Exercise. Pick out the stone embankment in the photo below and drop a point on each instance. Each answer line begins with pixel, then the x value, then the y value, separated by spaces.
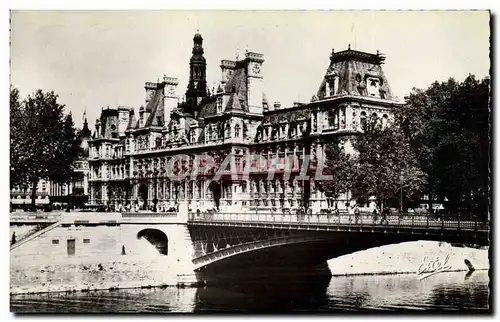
pixel 407 257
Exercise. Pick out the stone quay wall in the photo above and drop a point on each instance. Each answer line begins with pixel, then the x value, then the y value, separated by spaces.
pixel 407 257
pixel 44 264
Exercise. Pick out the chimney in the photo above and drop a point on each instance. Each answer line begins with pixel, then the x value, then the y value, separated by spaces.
pixel 97 127
pixel 277 105
pixel 150 88
pixel 227 67
pixel 171 99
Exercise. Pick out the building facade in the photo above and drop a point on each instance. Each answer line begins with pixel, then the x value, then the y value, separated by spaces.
pixel 130 155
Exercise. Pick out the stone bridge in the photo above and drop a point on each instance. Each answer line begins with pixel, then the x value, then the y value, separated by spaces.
pixel 222 242
pixel 283 239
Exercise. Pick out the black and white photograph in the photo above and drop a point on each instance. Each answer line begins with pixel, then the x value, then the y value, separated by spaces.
pixel 250 161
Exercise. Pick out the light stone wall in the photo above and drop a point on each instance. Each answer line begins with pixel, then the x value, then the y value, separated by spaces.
pixel 406 258
pixel 42 266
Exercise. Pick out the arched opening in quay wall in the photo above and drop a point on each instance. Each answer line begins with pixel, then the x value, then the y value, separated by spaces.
pixel 157 238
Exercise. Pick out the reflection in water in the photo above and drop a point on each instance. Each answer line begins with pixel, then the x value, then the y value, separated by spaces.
pixel 442 291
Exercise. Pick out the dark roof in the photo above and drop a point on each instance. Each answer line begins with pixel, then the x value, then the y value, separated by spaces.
pixel 238 84
pixel 207 107
pixel 234 103
pixel 155 109
pixel 352 76
pixel 357 55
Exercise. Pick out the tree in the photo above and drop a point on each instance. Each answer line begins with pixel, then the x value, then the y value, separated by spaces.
pixel 386 166
pixel 43 141
pixel 448 126
pixel 383 166
pixel 17 162
pixel 340 166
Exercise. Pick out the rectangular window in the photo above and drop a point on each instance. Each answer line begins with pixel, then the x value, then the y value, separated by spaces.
pixel 55 241
pixel 86 241
pixel 71 247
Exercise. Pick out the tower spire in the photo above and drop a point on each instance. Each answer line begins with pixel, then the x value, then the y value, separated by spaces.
pixel 197 87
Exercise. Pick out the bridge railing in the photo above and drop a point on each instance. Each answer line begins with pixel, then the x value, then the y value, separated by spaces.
pixel 403 221
pixel 148 214
pixel 35 217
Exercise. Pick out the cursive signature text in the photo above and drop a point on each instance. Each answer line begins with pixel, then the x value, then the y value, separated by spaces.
pixel 428 268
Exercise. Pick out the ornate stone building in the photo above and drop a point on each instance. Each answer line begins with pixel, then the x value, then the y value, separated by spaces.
pixel 129 153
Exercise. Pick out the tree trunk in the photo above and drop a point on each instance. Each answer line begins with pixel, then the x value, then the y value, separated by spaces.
pixel 33 195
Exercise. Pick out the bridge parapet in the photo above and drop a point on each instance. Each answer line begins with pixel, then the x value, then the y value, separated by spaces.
pixel 346 220
pixel 34 218
pixel 150 218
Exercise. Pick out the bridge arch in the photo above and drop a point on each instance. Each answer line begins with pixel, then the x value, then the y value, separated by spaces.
pixel 156 237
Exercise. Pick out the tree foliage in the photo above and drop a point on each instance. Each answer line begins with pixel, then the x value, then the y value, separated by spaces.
pixel 382 165
pixel 386 165
pixel 448 126
pixel 340 167
pixel 44 142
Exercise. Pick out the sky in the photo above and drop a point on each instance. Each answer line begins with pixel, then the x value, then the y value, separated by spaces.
pixel 95 59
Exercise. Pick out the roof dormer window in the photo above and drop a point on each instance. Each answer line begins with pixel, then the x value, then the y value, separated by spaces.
pixel 373 87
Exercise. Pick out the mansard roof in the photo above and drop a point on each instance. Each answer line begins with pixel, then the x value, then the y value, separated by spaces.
pixel 352 69
pixel 207 107
pixel 237 83
pixel 155 108
pixel 235 102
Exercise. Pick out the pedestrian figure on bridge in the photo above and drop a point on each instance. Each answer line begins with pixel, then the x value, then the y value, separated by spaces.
pixel 356 214
pixel 13 241
pixel 385 212
pixel 375 214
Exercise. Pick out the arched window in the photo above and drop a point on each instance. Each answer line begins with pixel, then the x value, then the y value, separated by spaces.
pixel 215 135
pixel 362 119
pixel 209 133
pixel 274 133
pixel 237 131
pixel 219 104
pixel 373 87
pixel 260 134
pixel 228 131
pixel 385 120
pixel 245 130
pixel 292 130
pixel 332 119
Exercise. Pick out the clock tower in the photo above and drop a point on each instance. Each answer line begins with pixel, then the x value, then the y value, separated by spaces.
pixel 197 87
pixel 255 83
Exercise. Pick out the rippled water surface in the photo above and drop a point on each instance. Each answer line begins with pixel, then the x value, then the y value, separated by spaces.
pixel 444 291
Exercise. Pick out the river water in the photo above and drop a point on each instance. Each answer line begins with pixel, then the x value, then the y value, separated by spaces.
pixel 443 291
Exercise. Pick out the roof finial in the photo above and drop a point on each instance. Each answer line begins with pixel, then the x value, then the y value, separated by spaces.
pixel 349 47
pixel 378 52
pixel 237 53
